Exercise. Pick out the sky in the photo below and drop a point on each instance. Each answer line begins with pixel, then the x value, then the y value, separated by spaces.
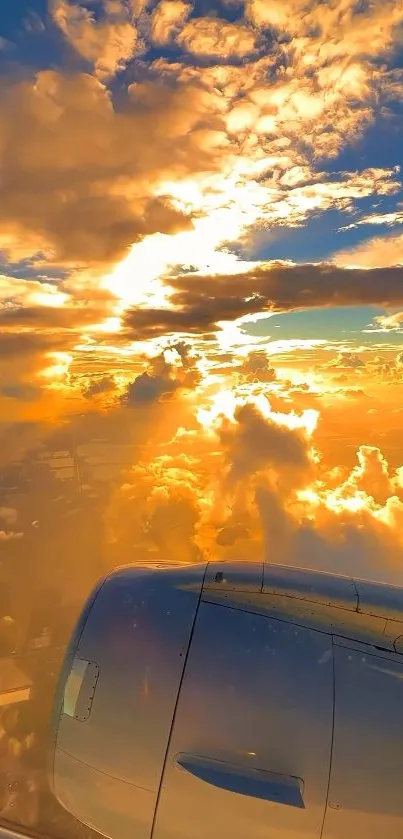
pixel 201 285
pixel 201 297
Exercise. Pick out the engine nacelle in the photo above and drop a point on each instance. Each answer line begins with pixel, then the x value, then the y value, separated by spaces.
pixel 233 699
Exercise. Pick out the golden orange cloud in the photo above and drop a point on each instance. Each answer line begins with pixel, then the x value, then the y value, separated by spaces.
pixel 379 252
pixel 108 44
pixel 138 415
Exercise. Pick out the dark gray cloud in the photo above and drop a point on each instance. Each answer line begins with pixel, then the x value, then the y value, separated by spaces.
pixel 147 388
pixel 13 345
pixel 50 317
pixel 23 391
pixel 100 384
pixel 254 443
pixel 162 378
pixel 202 301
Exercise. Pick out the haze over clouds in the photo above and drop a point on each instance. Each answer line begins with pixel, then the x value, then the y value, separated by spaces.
pixel 201 284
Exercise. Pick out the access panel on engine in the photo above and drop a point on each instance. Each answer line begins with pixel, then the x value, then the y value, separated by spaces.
pixel 250 749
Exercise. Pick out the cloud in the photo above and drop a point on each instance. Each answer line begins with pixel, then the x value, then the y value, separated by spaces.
pixel 380 252
pixel 65 317
pixel 264 482
pixel 167 19
pixel 351 529
pixel 387 323
pixel 25 392
pixel 256 368
pixel 255 442
pixel 354 393
pixel 107 43
pixel 199 303
pixel 346 359
pixel 332 83
pixel 370 476
pixel 185 146
pixel 215 38
pixel 29 344
pixel 379 367
pixel 390 219
pixel 146 388
pixel 8 536
pixel 347 543
pixel 162 379
pixel 8 515
pixel 88 185
pixel 99 385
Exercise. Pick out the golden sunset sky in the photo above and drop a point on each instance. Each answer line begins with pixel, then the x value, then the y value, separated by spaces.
pixel 201 284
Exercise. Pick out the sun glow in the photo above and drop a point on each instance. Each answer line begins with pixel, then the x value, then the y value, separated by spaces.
pixel 220 211
pixel 49 298
pixel 60 368
pixel 354 504
pixel 224 404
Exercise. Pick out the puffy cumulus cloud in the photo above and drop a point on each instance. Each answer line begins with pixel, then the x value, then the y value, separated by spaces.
pixel 224 474
pixel 380 252
pixel 166 374
pixel 333 80
pixel 195 498
pixel 349 26
pixel 354 528
pixel 388 323
pixel 158 505
pixel 390 368
pixel 347 360
pixel 215 38
pixel 358 543
pixel 253 115
pixel 108 42
pixel 148 388
pixel 86 186
pixel 256 368
pixel 253 484
pixel 255 442
pixel 374 368
pixel 363 362
pixel 167 19
pixel 370 478
pixel 99 385
pixel 276 15
pixel 199 303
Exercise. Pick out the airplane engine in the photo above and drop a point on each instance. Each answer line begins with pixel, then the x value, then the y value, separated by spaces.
pixel 239 700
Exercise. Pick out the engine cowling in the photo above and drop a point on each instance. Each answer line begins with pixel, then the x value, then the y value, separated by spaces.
pixel 239 699
pixel 117 694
